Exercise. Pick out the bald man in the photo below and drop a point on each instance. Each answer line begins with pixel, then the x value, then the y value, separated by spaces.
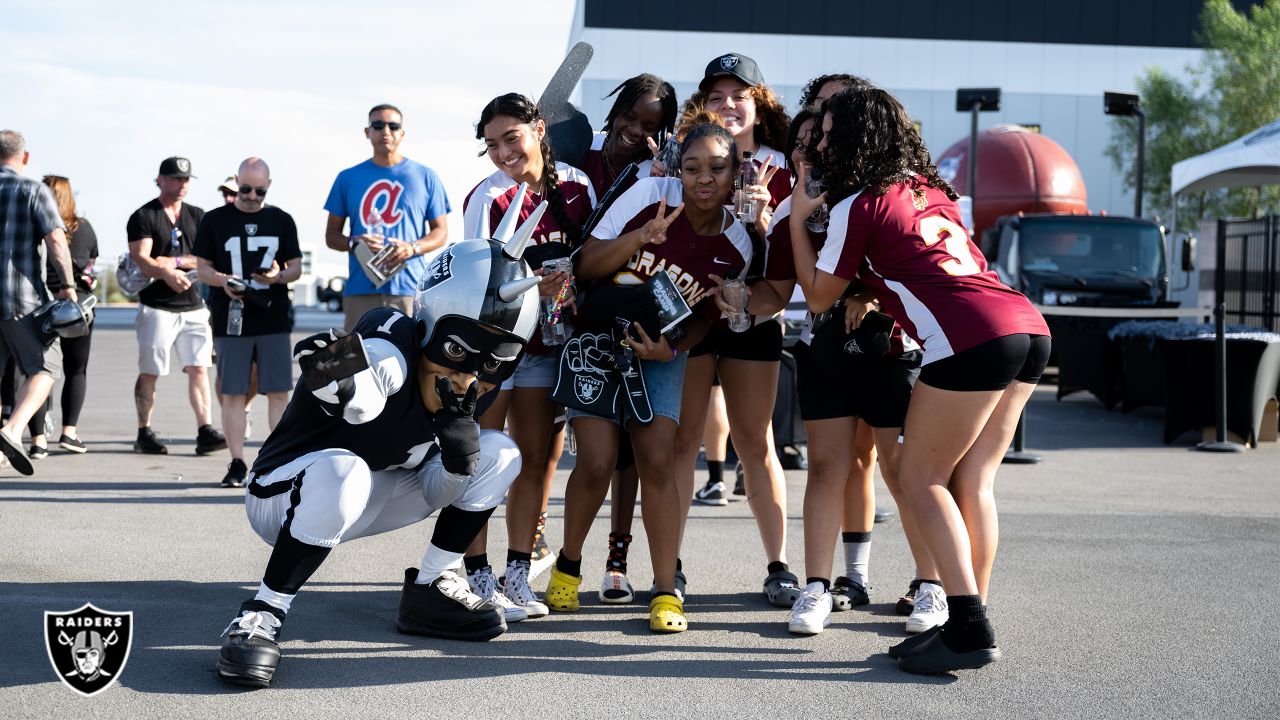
pixel 248 253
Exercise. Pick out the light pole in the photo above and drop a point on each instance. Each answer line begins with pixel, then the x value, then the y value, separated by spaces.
pixel 974 101
pixel 1128 105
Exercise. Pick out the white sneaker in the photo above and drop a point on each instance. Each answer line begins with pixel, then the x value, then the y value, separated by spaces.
pixel 812 610
pixel 248 428
pixel 615 588
pixel 518 591
pixel 930 609
pixel 484 584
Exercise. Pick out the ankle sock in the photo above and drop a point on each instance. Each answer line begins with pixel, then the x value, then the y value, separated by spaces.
pixel 857 555
pixel 777 566
pixel 516 556
pixel 715 468
pixel 967 627
pixel 475 562
pixel 567 566
pixel 826 583
pixel 617 558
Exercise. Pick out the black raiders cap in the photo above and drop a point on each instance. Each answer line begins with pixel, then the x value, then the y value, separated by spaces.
pixel 733 65
pixel 179 167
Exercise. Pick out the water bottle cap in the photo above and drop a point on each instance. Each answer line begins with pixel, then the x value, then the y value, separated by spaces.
pixel 747 154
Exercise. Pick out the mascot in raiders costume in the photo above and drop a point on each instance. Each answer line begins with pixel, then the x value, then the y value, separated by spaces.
pixel 381 433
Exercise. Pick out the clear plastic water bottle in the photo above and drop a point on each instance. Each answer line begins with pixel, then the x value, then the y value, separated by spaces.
pixel 669 156
pixel 813 187
pixel 235 317
pixel 734 292
pixel 374 226
pixel 746 207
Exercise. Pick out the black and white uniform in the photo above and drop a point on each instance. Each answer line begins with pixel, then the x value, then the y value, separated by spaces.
pixel 375 469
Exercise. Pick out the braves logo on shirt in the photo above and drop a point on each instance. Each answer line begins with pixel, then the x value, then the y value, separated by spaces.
pixel 382 200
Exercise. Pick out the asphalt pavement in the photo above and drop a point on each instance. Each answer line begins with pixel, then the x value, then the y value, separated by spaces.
pixel 1135 580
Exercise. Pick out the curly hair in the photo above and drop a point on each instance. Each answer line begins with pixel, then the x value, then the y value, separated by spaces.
pixel 630 92
pixel 772 128
pixel 809 95
pixel 873 144
pixel 522 109
pixel 807 113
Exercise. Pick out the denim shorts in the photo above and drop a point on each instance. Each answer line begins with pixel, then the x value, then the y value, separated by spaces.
pixel 537 371
pixel 664 382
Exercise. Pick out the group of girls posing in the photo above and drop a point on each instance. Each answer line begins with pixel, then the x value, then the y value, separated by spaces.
pixel 882 234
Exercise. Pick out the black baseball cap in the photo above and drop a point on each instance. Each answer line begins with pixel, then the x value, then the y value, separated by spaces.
pixel 178 167
pixel 733 65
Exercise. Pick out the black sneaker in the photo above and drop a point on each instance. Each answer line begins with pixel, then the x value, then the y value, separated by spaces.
pixel 847 594
pixel 907 603
pixel 446 608
pixel 208 440
pixel 710 494
pixel 71 444
pixel 38 452
pixel 932 657
pixel 740 481
pixel 14 453
pixel 251 652
pixel 148 444
pixel 236 472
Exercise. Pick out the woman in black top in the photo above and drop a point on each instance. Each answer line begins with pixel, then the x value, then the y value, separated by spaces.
pixel 75 351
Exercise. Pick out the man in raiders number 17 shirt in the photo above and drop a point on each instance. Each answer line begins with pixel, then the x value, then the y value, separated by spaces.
pixel 248 252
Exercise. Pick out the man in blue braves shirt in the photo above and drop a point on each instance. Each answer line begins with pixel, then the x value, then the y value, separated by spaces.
pixel 406 198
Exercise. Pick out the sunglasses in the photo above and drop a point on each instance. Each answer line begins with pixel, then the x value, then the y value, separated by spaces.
pixel 246 189
pixel 380 124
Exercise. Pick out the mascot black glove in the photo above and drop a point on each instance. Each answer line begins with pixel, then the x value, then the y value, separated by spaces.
pixel 456 430
pixel 333 393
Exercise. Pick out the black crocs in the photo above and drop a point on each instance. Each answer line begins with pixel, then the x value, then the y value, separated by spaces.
pixel 932 657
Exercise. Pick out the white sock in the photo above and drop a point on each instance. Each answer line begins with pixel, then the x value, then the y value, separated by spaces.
pixel 857 556
pixel 276 600
pixel 434 562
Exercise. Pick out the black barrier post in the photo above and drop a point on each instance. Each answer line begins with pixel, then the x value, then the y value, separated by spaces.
pixel 1220 443
pixel 1019 455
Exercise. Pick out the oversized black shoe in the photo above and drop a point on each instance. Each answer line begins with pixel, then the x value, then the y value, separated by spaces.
pixel 446 608
pixel 251 651
pixel 209 439
pixel 911 643
pixel 933 657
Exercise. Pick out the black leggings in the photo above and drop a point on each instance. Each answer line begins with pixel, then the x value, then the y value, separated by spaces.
pixel 75 382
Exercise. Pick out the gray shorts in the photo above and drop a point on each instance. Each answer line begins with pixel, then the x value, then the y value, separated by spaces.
pixel 273 355
pixel 20 340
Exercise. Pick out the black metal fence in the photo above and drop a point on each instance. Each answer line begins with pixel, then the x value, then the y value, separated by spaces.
pixel 1248 272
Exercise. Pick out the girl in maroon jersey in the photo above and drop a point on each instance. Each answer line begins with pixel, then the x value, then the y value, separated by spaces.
pixel 516 142
pixel 680 227
pixel 895 225
pixel 747 363
pixel 643 112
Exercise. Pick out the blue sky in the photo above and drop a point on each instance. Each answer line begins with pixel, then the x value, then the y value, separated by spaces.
pixel 103 91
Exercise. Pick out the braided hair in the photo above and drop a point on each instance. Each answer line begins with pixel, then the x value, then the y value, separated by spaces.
pixel 873 144
pixel 522 109
pixel 809 95
pixel 630 92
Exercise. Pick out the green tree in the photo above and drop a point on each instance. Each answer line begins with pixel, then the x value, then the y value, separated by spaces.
pixel 1234 90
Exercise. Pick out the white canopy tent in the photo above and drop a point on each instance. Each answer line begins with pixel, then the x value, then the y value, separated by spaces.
pixel 1246 162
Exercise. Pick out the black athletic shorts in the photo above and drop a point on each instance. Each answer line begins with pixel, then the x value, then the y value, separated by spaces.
pixel 878 392
pixel 761 342
pixel 992 365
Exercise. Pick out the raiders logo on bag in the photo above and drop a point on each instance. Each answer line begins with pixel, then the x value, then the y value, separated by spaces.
pixel 586 378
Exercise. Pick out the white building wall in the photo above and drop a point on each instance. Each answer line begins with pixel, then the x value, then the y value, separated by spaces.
pixel 1057 86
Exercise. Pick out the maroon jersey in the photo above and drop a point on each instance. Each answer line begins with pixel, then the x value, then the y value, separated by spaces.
pixel 689 258
pixel 488 202
pixel 910 247
pixel 601 174
pixel 779 265
pixel 489 199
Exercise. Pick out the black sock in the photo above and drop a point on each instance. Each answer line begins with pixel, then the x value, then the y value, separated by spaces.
pixel 826 583
pixel 716 469
pixel 567 566
pixel 456 528
pixel 617 559
pixel 967 627
pixel 475 562
pixel 931 582
pixel 658 593
pixel 679 566
pixel 777 566
pixel 292 563
pixel 855 537
pixel 514 555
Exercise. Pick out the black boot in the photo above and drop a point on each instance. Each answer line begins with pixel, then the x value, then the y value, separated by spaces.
pixel 251 651
pixel 446 608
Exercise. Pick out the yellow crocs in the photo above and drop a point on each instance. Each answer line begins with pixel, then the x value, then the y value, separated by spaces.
pixel 666 614
pixel 562 591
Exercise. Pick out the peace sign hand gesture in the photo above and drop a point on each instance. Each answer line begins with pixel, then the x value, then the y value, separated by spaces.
pixel 655 231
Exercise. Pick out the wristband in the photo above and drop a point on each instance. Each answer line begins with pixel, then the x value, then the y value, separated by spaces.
pixel 674 353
